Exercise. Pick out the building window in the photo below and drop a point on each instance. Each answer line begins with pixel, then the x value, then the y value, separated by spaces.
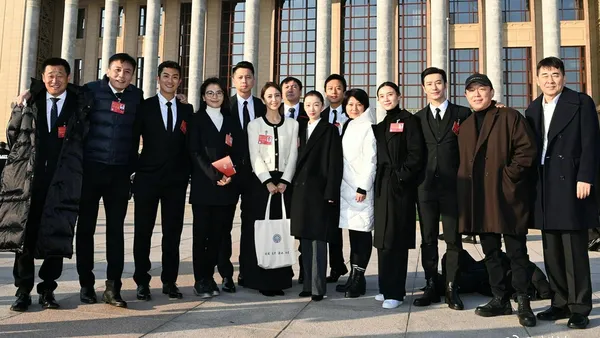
pixel 296 36
pixel 142 26
pixel 515 11
pixel 185 25
pixel 517 77
pixel 99 72
pixel 101 33
pixel 464 11
pixel 80 23
pixel 78 72
pixel 463 63
pixel 574 59
pixel 139 73
pixel 570 9
pixel 412 54
pixel 102 17
pixel 232 39
pixel 359 57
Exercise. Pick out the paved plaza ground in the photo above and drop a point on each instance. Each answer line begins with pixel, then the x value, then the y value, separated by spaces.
pixel 249 314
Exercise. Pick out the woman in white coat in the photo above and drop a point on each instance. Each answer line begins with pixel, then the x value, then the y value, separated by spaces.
pixel 356 202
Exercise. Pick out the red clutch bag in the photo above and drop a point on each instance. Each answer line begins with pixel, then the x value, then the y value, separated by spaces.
pixel 225 166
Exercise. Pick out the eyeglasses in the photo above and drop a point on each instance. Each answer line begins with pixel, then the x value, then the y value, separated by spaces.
pixel 218 93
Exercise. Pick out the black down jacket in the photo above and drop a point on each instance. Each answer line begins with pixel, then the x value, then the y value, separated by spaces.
pixel 56 228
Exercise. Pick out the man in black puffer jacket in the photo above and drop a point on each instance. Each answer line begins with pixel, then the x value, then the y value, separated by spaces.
pixel 41 182
pixel 108 160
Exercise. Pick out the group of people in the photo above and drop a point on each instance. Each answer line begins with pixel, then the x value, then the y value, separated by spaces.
pixel 486 170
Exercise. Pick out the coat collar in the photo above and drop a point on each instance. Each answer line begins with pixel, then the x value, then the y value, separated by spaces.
pixel 567 106
pixel 488 123
pixel 305 145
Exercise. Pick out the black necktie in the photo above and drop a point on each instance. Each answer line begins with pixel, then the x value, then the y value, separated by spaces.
pixel 54 112
pixel 292 111
pixel 119 96
pixel 334 116
pixel 246 114
pixel 438 117
pixel 169 118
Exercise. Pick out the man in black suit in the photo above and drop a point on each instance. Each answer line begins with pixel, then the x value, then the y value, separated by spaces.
pixel 291 88
pixel 244 108
pixel 567 135
pixel 440 121
pixel 162 174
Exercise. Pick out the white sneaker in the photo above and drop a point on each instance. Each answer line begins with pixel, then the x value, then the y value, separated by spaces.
pixel 379 297
pixel 391 303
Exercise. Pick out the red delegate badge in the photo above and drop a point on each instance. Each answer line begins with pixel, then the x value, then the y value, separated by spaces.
pixel 62 130
pixel 183 127
pixel 265 139
pixel 456 127
pixel 397 127
pixel 117 107
pixel 229 140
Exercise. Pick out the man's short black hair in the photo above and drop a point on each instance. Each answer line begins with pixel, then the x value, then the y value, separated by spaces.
pixel 551 62
pixel 169 64
pixel 289 79
pixel 123 57
pixel 245 65
pixel 433 70
pixel 336 77
pixel 56 62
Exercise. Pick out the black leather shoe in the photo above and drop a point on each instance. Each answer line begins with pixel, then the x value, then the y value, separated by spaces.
pixel 172 290
pixel 228 285
pixel 495 307
pixel 203 289
pixel 553 313
pixel 578 321
pixel 268 293
pixel 143 292
pixel 304 294
pixel 430 295
pixel 317 298
pixel 278 293
pixel 334 275
pixel 112 295
pixel 48 301
pixel 22 303
pixel 88 295
pixel 524 312
pixel 452 298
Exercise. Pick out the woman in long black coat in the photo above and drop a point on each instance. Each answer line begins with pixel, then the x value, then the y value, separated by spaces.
pixel 400 160
pixel 316 193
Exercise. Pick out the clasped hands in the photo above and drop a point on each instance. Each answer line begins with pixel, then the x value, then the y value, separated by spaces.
pixel 274 189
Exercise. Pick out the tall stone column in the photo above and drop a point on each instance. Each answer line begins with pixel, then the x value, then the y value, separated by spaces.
pixel 69 33
pixel 30 42
pixel 551 28
pixel 111 26
pixel 323 61
pixel 493 46
pixel 385 46
pixel 251 24
pixel 151 47
pixel 439 34
pixel 198 30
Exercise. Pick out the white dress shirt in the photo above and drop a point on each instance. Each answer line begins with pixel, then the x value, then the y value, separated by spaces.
pixel 341 116
pixel 164 109
pixel 443 107
pixel 286 110
pixel 216 116
pixel 240 102
pixel 113 88
pixel 59 104
pixel 311 127
pixel 548 109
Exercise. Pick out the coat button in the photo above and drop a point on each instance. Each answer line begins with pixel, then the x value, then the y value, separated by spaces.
pixel 469 175
pixel 485 158
pixel 562 178
pixel 486 174
pixel 276 154
pixel 561 157
pixel 437 175
pixel 471 161
pixel 559 135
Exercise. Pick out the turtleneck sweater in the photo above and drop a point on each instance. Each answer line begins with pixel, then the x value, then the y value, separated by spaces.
pixel 216 116
pixel 480 116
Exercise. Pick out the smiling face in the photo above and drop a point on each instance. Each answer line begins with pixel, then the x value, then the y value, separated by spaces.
pixel 272 98
pixel 434 87
pixel 551 80
pixel 354 108
pixel 388 97
pixel 334 90
pixel 313 107
pixel 55 79
pixel 243 81
pixel 168 81
pixel 291 90
pixel 213 96
pixel 120 74
pixel 479 96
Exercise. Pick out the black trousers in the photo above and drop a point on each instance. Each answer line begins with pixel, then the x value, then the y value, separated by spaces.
pixel 516 250
pixel 315 266
pixel 171 194
pixel 24 267
pixel 430 208
pixel 336 251
pixel 211 225
pixel 568 267
pixel 111 183
pixel 361 246
pixel 392 269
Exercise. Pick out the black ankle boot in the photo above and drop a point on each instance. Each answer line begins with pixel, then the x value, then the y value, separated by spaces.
pixel 498 306
pixel 344 287
pixel 452 298
pixel 524 312
pixel 112 295
pixel 358 283
pixel 430 294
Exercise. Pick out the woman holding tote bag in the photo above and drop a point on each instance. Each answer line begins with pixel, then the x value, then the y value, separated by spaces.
pixel 316 193
pixel 356 203
pixel 273 145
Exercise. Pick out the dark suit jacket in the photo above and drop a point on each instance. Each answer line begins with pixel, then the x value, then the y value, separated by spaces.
pixel 572 156
pixel 301 114
pixel 164 155
pixel 244 167
pixel 442 149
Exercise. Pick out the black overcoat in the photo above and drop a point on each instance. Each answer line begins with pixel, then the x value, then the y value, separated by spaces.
pixel 400 160
pixel 317 180
pixel 571 156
